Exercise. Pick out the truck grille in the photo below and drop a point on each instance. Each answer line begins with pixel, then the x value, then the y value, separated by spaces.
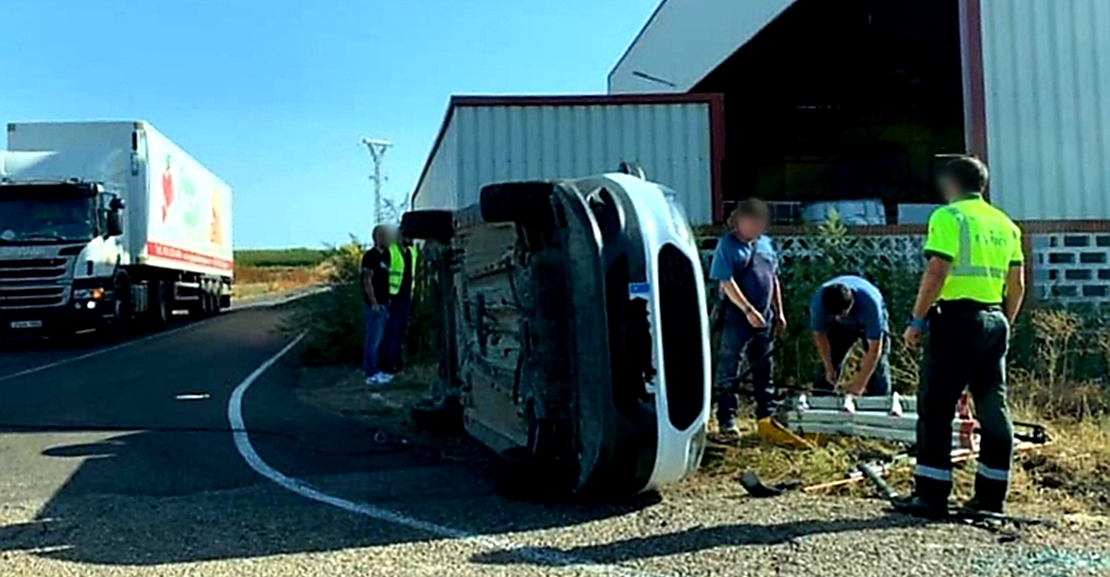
pixel 32 269
pixel 680 323
pixel 30 283
pixel 25 297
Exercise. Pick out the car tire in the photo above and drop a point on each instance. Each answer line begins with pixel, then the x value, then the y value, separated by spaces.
pixel 519 476
pixel 428 225
pixel 516 202
pixel 439 419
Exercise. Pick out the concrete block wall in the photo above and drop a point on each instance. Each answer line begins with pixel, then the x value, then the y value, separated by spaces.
pixel 1072 267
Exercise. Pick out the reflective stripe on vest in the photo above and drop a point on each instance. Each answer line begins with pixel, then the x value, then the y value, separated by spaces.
pixel 962 265
pixel 986 243
pixel 397 268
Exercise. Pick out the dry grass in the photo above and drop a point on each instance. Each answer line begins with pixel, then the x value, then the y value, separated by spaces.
pixel 259 281
pixel 1069 476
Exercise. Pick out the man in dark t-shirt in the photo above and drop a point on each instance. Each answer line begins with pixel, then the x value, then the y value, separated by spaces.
pixel 745 266
pixel 375 297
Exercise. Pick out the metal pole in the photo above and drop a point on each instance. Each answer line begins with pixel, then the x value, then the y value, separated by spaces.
pixel 377 154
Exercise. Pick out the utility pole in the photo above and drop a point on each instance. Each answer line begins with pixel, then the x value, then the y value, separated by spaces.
pixel 377 153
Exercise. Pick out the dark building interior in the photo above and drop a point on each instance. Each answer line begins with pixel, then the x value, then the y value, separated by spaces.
pixel 843 100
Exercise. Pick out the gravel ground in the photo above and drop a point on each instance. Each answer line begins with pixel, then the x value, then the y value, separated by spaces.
pixel 214 534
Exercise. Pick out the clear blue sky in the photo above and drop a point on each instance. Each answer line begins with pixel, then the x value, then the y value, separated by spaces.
pixel 274 96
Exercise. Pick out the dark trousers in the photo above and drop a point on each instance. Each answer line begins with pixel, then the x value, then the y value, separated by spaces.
pixel 840 342
pixel 738 336
pixel 966 348
pixel 393 340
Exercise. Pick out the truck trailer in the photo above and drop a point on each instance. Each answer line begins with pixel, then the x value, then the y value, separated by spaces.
pixel 106 223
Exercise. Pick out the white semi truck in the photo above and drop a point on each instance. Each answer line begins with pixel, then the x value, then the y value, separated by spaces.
pixel 106 223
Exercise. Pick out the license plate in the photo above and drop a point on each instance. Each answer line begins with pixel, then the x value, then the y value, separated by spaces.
pixel 26 324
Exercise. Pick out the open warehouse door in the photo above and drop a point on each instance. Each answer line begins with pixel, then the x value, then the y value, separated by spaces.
pixel 841 100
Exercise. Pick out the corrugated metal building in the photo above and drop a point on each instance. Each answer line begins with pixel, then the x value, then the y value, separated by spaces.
pixel 853 99
pixel 485 140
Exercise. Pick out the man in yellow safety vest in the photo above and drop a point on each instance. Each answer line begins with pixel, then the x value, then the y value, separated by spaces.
pixel 970 294
pixel 402 270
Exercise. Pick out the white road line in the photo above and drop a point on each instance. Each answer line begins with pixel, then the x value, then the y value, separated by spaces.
pixel 302 488
pixel 98 352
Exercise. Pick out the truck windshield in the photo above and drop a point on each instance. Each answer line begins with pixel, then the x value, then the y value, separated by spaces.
pixel 46 213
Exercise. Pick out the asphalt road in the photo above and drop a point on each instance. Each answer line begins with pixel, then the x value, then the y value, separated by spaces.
pixel 121 461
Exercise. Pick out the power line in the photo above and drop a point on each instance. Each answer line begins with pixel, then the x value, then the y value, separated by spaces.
pixel 377 150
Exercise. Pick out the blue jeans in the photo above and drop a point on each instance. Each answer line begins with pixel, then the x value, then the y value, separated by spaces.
pixel 737 337
pixel 375 327
pixel 394 339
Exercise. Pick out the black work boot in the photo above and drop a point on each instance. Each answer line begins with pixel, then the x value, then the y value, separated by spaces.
pixel 992 506
pixel 918 507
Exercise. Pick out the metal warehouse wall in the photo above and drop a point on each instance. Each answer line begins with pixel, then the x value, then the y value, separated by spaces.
pixel 437 188
pixel 1047 72
pixel 498 143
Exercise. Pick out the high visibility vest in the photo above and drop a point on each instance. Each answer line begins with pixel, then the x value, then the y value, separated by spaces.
pixel 981 242
pixel 397 267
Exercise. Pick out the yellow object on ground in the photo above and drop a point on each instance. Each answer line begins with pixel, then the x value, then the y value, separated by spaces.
pixel 775 433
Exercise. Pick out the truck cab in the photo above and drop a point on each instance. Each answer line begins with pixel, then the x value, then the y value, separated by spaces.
pixel 61 255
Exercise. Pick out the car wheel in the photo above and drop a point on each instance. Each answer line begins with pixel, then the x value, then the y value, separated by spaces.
pixel 428 225
pixel 519 476
pixel 439 419
pixel 516 202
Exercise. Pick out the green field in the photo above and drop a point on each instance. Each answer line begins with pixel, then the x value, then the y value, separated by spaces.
pixel 290 257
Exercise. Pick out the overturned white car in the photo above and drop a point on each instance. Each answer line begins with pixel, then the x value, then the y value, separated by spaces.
pixel 574 334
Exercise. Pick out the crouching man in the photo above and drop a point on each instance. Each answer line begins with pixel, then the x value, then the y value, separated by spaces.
pixel 844 311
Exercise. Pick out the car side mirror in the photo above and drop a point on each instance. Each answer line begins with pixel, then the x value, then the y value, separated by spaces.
pixel 116 204
pixel 115 223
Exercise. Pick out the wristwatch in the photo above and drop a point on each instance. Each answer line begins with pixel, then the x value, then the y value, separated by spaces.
pixel 919 324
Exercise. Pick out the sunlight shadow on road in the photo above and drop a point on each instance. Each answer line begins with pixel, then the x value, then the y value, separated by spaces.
pixel 697 539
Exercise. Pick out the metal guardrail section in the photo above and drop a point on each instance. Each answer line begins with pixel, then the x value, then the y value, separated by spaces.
pixel 30 283
pixel 892 418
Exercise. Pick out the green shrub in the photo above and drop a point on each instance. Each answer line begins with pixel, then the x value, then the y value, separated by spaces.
pixel 832 251
pixel 334 319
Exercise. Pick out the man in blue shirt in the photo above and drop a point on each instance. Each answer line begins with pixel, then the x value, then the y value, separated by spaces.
pixel 745 267
pixel 844 311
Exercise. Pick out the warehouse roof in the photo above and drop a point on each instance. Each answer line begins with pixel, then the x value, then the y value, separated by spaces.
pixel 709 31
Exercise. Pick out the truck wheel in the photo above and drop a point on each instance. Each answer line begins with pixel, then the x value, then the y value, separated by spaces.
pixel 206 308
pixel 120 323
pixel 429 224
pixel 160 308
pixel 516 202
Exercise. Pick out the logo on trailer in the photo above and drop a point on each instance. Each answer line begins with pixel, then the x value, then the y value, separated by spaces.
pixel 167 188
pixel 216 230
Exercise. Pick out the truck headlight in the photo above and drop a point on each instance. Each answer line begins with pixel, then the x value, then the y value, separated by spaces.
pixel 93 294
